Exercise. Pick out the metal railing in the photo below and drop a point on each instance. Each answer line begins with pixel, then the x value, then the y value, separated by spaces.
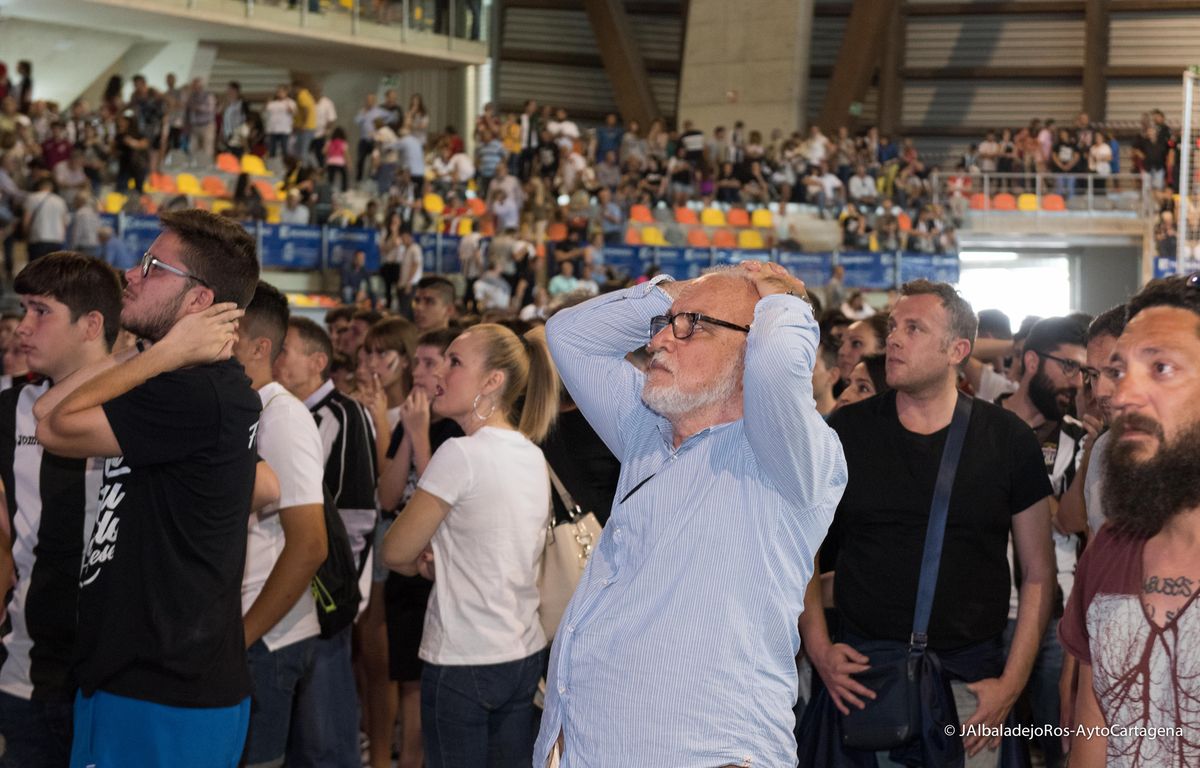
pixel 453 25
pixel 1055 194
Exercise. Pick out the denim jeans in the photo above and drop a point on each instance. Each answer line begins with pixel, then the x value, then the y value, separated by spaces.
pixel 324 730
pixel 35 732
pixel 477 716
pixel 1042 689
pixel 277 676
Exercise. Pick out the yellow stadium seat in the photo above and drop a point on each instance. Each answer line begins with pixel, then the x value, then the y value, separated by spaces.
pixel 220 206
pixel 653 236
pixel 434 204
pixel 712 217
pixel 750 239
pixel 189 185
pixel 253 165
pixel 273 213
pixel 762 218
pixel 465 226
pixel 1027 202
pixel 114 202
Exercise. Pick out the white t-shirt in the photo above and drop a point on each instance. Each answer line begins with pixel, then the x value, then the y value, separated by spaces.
pixel 993 384
pixel 290 444
pixel 414 258
pixel 326 115
pixel 48 222
pixel 484 606
pixel 279 115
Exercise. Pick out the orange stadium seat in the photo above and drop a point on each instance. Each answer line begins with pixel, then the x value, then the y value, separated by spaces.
pixel 977 202
pixel 1004 202
pixel 739 217
pixel 148 205
pixel 212 185
pixel 267 190
pixel 697 238
pixel 476 206
pixel 633 236
pixel 556 232
pixel 641 214
pixel 227 163
pixel 161 182
pixel 724 238
pixel 686 216
pixel 905 222
pixel 1053 202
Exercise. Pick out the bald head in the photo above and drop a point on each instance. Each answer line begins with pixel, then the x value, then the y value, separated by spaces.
pixel 728 294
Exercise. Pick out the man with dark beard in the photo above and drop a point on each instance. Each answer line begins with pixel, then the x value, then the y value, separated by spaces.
pixel 1051 365
pixel 161 659
pixel 1130 621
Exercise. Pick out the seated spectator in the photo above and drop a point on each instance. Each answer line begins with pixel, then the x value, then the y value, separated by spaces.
pixel 609 217
pixel 504 208
pixel 293 211
pixel 114 251
pixel 855 232
pixel 356 280
pixel 491 290
pixel 451 170
pixel 729 186
pixel 755 188
pixel 586 283
pixel 855 307
pixel 71 176
pixel 608 172
pixel 861 188
pixel 565 281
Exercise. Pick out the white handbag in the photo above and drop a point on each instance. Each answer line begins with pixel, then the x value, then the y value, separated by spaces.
pixel 569 544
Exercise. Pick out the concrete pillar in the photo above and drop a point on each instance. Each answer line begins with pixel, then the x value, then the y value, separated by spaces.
pixel 746 61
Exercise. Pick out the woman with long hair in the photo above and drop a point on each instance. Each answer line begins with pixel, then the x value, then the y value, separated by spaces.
pixel 384 378
pixel 481 507
pixel 417 118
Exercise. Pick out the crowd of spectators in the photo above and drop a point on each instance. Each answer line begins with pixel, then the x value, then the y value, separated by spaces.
pixel 537 174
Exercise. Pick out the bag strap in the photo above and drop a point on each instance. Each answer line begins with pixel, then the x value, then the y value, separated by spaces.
pixel 934 534
pixel 573 510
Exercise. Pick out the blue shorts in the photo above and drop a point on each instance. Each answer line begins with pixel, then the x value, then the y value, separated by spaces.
pixel 117 732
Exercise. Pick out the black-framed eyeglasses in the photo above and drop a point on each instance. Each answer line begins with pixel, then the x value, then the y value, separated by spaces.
pixel 150 261
pixel 1069 367
pixel 683 324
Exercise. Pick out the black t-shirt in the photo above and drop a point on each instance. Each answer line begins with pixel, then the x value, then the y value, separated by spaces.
pixel 439 432
pixel 879 528
pixel 160 612
pixel 583 463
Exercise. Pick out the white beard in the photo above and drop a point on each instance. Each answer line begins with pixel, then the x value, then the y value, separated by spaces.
pixel 669 402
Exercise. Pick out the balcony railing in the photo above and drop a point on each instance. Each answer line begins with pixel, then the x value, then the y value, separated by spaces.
pixel 443 25
pixel 1043 194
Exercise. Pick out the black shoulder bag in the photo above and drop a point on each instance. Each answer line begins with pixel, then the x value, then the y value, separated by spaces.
pixel 894 717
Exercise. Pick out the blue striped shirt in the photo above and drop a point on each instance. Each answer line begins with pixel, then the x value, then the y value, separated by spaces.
pixel 678 648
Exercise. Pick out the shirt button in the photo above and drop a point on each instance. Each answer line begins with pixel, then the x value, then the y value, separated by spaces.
pixel 604 582
pixel 562 688
pixel 571 628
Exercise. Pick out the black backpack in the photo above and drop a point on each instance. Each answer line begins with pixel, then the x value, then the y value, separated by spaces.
pixel 335 585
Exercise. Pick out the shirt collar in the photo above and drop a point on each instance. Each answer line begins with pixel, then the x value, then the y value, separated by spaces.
pixel 668 434
pixel 321 393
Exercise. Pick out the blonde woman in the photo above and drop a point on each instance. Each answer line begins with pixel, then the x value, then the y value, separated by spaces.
pixel 481 507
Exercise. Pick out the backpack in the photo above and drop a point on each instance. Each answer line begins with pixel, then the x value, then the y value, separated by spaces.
pixel 335 585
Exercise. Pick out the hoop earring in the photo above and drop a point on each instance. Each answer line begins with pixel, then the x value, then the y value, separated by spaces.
pixel 475 408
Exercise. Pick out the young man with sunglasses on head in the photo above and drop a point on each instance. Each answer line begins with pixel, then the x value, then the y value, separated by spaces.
pixel 160 646
pixel 72 309
pixel 1131 621
pixel 684 622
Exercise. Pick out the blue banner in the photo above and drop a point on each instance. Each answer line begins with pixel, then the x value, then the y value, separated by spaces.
pixel 1164 267
pixel 139 233
pixel 290 246
pixel 815 269
pixel 938 268
pixel 873 271
pixel 344 241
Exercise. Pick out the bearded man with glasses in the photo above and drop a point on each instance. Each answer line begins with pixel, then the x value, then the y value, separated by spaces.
pixel 162 661
pixel 679 645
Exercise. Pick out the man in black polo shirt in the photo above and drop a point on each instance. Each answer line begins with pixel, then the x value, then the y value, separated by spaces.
pixel 161 655
pixel 893 445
